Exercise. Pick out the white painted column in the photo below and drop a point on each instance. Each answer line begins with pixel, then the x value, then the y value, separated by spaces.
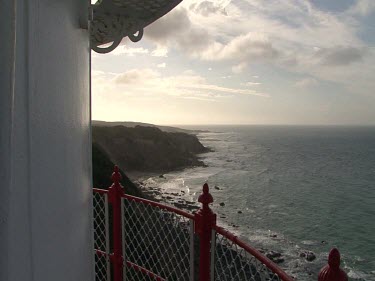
pixel 45 146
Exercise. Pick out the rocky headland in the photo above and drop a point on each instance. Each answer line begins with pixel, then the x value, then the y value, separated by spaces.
pixel 148 149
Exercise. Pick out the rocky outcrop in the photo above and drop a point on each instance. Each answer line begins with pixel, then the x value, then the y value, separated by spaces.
pixel 102 168
pixel 148 149
pixel 308 255
pixel 274 256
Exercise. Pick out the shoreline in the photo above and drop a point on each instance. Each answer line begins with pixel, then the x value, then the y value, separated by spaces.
pixel 151 185
pixel 148 185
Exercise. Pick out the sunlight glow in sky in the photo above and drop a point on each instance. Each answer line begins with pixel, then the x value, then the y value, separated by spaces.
pixel 244 62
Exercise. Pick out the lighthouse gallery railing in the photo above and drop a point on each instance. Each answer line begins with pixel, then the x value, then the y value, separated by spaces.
pixel 138 239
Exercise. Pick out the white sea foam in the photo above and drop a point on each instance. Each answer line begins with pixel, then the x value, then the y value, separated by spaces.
pixel 309 242
pixel 358 275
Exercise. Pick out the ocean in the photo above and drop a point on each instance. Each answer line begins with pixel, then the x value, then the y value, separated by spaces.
pixel 291 189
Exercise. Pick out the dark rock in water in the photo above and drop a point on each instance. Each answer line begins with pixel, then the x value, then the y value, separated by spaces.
pixel 273 254
pixel 223 217
pixel 273 235
pixel 278 260
pixel 239 212
pixel 324 242
pixel 216 187
pixel 185 206
pixel 262 250
pixel 308 255
pixel 235 225
pixel 169 197
pixel 162 176
pixel 222 204
pixel 275 257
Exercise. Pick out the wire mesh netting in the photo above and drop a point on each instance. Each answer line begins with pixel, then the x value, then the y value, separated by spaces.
pixel 157 240
pixel 101 241
pixel 135 274
pixel 233 263
pixel 159 244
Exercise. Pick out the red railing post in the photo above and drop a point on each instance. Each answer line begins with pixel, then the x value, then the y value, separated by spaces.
pixel 332 271
pixel 205 221
pixel 114 197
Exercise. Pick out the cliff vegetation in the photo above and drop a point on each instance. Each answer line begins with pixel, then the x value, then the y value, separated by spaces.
pixel 148 149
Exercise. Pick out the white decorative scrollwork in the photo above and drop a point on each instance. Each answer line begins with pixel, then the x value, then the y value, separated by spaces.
pixel 112 23
pixel 116 19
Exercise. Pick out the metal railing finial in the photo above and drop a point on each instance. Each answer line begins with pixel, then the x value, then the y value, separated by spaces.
pixel 116 175
pixel 205 198
pixel 205 221
pixel 332 271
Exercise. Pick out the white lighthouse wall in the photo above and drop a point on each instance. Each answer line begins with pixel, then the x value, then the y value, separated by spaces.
pixel 45 163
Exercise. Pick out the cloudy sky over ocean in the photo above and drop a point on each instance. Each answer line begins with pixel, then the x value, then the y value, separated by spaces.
pixel 245 62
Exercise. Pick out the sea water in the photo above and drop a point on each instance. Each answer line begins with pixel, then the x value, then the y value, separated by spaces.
pixel 297 188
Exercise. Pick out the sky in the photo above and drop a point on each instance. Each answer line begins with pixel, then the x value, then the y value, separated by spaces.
pixel 304 62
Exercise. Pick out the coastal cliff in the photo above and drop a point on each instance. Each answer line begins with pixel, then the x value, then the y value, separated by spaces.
pixel 148 149
pixel 102 167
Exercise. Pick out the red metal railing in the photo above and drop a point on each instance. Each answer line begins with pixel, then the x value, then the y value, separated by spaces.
pixel 138 239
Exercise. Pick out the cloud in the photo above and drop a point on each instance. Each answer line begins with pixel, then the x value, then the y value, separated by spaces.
pixel 135 76
pixel 250 84
pixel 150 82
pixel 97 73
pixel 239 68
pixel 340 56
pixel 225 89
pixel 176 29
pixel 162 65
pixel 306 83
pixel 250 47
pixel 125 50
pixel 160 52
pixel 362 8
pixel 206 8
pixel 168 26
pixel 293 35
pixel 284 33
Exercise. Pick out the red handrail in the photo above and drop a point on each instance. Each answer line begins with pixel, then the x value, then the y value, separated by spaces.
pixel 100 191
pixel 254 252
pixel 134 266
pixel 159 205
pixel 145 271
pixel 204 222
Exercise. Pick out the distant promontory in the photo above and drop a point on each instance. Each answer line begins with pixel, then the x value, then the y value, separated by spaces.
pixel 147 148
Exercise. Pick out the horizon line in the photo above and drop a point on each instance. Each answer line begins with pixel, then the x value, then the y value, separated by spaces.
pixel 243 124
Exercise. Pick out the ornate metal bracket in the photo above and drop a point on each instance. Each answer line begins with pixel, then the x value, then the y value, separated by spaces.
pixel 115 19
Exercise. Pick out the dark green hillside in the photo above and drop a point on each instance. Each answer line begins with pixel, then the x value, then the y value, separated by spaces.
pixel 148 149
pixel 102 170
